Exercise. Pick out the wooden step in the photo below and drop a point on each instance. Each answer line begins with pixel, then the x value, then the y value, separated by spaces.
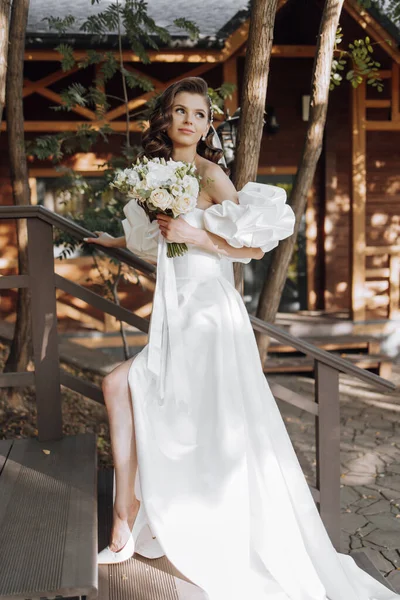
pixel 331 343
pixel 304 364
pixel 158 579
pixel 48 518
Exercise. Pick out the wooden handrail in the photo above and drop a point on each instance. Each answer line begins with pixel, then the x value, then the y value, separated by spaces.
pixel 42 281
pixel 77 231
pixel 322 356
pixel 103 304
pixel 374 250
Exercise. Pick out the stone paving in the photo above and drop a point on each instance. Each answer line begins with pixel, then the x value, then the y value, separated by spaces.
pixel 370 459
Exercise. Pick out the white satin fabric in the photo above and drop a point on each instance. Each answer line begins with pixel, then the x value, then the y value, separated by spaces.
pixel 222 487
pixel 260 220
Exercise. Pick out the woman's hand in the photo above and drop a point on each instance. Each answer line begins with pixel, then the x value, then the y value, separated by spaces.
pixel 104 239
pixel 175 230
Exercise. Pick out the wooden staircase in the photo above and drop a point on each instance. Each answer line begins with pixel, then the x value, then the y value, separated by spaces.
pixel 138 578
pixel 48 487
pixel 364 351
pixel 48 518
pixel 54 519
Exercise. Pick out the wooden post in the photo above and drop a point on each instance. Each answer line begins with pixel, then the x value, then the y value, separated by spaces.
pixel 394 286
pixel 328 448
pixel 358 203
pixel 44 330
pixel 311 251
pixel 230 76
pixel 395 92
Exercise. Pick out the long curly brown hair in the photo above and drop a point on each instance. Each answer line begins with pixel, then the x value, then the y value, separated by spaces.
pixel 156 142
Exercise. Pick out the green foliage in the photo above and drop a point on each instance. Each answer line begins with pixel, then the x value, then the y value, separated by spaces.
pixel 108 67
pixel 134 81
pixel 92 58
pixel 188 26
pixel 128 19
pixel 67 56
pixel 60 25
pixel 219 95
pixel 389 8
pixel 101 208
pixel 46 146
pixel 98 97
pixel 363 66
pixel 74 95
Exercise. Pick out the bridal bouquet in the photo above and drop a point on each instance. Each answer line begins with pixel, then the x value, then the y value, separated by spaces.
pixel 160 186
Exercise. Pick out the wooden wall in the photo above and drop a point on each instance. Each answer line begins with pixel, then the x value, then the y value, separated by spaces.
pixel 328 217
pixel 382 154
pixel 382 212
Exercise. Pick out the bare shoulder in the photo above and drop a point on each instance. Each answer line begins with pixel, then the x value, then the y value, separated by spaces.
pixel 216 183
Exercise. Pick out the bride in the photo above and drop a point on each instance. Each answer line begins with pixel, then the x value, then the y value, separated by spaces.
pixel 201 453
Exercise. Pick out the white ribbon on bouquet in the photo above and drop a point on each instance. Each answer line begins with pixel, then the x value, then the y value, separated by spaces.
pixel 166 332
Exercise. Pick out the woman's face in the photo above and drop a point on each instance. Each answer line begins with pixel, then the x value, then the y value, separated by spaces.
pixel 189 119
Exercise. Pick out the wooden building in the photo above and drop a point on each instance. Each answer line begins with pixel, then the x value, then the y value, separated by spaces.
pixel 348 261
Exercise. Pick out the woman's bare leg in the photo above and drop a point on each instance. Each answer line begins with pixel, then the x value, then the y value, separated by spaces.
pixel 123 445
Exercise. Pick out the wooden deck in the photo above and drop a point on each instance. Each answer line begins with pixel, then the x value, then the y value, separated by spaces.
pixel 143 579
pixel 138 578
pixel 48 518
pixel 378 363
pixel 48 531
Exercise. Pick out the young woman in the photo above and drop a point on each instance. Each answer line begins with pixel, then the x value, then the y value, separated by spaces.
pixel 217 481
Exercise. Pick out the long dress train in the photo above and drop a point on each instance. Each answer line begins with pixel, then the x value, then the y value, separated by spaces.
pixel 221 484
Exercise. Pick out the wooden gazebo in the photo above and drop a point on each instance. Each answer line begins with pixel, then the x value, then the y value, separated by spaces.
pixel 352 226
pixel 52 497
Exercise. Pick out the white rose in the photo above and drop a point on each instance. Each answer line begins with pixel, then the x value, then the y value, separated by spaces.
pixel 161 198
pixel 176 189
pixel 191 185
pixel 158 175
pixel 175 164
pixel 120 178
pixel 132 178
pixel 183 204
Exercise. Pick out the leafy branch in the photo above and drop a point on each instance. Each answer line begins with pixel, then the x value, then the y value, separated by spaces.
pixel 389 8
pixel 128 20
pixel 363 66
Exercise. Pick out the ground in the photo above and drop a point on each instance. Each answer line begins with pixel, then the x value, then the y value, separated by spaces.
pixel 80 415
pixel 370 454
pixel 370 458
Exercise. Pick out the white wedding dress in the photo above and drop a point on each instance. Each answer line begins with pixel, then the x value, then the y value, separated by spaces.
pixel 219 479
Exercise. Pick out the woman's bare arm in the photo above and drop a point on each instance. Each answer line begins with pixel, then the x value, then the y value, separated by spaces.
pixel 107 240
pixel 214 243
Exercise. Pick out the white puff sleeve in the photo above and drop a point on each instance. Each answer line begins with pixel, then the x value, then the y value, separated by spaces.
pixel 141 235
pixel 260 220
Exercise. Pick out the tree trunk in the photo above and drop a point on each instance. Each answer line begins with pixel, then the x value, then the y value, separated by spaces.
pixel 20 350
pixel 4 25
pixel 256 70
pixel 276 277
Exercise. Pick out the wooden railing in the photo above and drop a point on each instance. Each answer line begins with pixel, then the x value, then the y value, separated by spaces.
pixel 391 273
pixel 48 375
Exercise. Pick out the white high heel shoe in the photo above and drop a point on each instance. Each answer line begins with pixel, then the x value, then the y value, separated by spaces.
pixel 107 556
